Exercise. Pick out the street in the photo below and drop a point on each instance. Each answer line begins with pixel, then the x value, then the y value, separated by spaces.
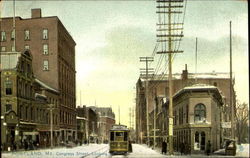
pixel 102 150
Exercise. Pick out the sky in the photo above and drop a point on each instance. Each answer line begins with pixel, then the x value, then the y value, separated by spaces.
pixel 111 36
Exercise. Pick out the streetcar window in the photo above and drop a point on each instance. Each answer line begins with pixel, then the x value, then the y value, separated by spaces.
pixel 125 136
pixel 112 136
pixel 119 134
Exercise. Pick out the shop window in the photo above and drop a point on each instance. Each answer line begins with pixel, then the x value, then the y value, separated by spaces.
pixel 200 113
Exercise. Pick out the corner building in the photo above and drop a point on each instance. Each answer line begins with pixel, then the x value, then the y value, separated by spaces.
pixel 53 51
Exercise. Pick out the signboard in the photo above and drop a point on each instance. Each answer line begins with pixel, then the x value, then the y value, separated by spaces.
pixel 226 124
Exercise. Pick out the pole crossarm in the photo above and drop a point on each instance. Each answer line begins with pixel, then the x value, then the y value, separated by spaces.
pixel 170 24
pixel 170 35
pixel 164 12
pixel 175 6
pixel 179 29
pixel 167 1
pixel 164 52
pixel 172 40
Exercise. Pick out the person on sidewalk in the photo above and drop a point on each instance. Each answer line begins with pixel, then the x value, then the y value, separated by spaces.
pixel 208 148
pixel 164 147
pixel 182 147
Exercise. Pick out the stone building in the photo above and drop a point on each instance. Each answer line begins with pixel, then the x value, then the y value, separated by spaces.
pixel 53 51
pixel 158 87
pixel 23 108
pixel 197 118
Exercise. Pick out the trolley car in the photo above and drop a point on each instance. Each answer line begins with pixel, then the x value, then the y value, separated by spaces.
pixel 119 139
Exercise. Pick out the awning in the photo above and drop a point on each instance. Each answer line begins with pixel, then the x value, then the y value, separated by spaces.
pixel 30 133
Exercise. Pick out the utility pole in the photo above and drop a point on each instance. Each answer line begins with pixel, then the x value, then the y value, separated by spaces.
pixel 14 25
pixel 166 37
pixel 147 71
pixel 196 45
pixel 231 88
pixel 154 120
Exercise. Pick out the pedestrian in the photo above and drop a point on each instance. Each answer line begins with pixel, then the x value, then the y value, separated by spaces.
pixel 208 148
pixel 14 146
pixel 130 146
pixel 182 147
pixel 164 147
pixel 25 144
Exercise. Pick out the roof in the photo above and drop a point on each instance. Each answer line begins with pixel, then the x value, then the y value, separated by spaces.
pixel 46 86
pixel 197 88
pixel 178 76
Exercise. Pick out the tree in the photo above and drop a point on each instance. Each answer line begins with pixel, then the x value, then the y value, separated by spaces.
pixel 242 122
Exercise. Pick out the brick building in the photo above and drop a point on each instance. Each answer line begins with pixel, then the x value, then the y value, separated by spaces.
pixel 53 51
pixel 158 87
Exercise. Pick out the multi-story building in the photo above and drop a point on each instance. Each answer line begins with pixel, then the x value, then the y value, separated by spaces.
pixel 158 87
pixel 105 122
pixel 197 118
pixel 24 110
pixel 82 124
pixel 53 51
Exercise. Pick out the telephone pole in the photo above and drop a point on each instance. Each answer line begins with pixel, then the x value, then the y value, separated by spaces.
pixel 169 32
pixel 231 87
pixel 147 71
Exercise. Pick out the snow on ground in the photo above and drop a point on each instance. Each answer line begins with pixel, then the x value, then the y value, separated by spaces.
pixel 75 152
pixel 242 150
pixel 143 151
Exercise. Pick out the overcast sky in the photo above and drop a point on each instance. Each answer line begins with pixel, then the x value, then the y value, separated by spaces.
pixel 112 35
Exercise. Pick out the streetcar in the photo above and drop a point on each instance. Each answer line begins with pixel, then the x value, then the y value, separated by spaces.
pixel 119 140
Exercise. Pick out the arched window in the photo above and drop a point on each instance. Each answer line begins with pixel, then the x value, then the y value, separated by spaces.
pixel 200 113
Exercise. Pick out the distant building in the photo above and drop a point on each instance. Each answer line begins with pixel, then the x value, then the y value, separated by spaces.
pixel 53 51
pixel 158 87
pixel 82 124
pixel 105 122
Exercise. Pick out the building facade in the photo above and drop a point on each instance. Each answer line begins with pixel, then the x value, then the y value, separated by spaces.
pixel 158 87
pixel 25 116
pixel 53 51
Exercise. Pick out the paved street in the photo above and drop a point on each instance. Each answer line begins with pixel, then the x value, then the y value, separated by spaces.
pixel 102 150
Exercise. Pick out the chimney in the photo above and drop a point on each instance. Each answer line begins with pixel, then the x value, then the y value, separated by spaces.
pixel 184 74
pixel 36 13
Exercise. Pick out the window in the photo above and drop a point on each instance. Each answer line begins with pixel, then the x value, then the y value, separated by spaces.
pixel 45 49
pixel 26 34
pixel 45 33
pixel 45 65
pixel 8 87
pixel 180 116
pixel 26 47
pixel 3 36
pixel 215 84
pixel 13 49
pixel 12 35
pixel 3 49
pixel 8 107
pixel 200 113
